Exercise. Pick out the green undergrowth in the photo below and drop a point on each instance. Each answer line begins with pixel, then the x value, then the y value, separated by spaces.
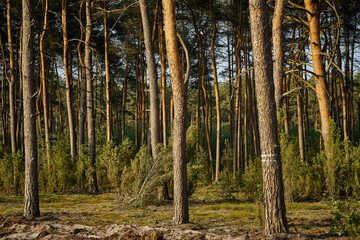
pixel 207 211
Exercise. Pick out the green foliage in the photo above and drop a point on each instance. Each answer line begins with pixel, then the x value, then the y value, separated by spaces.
pixel 12 168
pixel 56 174
pixel 252 180
pixel 140 180
pixel 301 180
pixel 112 160
pixel 344 220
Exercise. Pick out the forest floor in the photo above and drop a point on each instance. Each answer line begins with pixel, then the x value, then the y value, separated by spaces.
pixel 81 216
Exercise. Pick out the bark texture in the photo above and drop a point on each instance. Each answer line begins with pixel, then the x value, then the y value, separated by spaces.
pixel 108 83
pixel 31 192
pixel 217 95
pixel 153 86
pixel 274 204
pixel 68 80
pixel 181 208
pixel 312 6
pixel 92 182
pixel 278 50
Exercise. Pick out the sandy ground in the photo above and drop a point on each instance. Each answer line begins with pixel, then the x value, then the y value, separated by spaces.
pixel 16 227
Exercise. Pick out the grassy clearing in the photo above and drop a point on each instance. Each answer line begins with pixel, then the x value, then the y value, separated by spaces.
pixel 206 212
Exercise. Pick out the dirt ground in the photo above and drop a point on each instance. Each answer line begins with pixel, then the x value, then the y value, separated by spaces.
pixel 82 216
pixel 47 227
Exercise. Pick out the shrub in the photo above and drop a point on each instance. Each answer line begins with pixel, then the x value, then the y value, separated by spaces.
pixel 57 173
pixel 252 180
pixel 12 169
pixel 344 220
pixel 112 160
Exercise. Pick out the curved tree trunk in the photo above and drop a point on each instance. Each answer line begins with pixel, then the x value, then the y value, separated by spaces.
pixel 181 208
pixel 153 86
pixel 274 204
pixel 44 83
pixel 31 192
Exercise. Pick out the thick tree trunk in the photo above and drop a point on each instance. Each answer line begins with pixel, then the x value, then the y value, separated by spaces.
pixel 92 182
pixel 153 86
pixel 181 213
pixel 31 192
pixel 313 16
pixel 274 204
pixel 68 81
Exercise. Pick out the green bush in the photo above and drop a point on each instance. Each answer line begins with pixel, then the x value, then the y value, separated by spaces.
pixel 112 160
pixel 56 174
pixel 252 180
pixel 140 180
pixel 12 170
pixel 344 220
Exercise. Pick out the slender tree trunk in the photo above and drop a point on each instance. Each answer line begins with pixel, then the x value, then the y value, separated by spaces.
pixel 313 16
pixel 12 82
pixel 153 86
pixel 44 83
pixel 206 98
pixel 108 81
pixel 93 186
pixel 217 95
pixel 278 50
pixel 31 192
pixel 82 103
pixel 124 103
pixel 12 96
pixel 20 116
pixel 181 209
pixel 343 98
pixel 300 125
pixel 274 204
pixel 59 95
pixel 68 81
pixel 163 80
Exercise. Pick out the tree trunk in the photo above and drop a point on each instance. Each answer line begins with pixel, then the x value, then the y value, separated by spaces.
pixel 217 95
pixel 68 80
pixel 313 16
pixel 44 83
pixel 82 84
pixel 278 50
pixel 12 82
pixel 108 81
pixel 92 181
pixel 31 192
pixel 274 204
pixel 163 80
pixel 181 209
pixel 124 103
pixel 153 86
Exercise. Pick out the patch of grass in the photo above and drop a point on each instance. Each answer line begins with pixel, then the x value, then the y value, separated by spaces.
pixel 206 212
